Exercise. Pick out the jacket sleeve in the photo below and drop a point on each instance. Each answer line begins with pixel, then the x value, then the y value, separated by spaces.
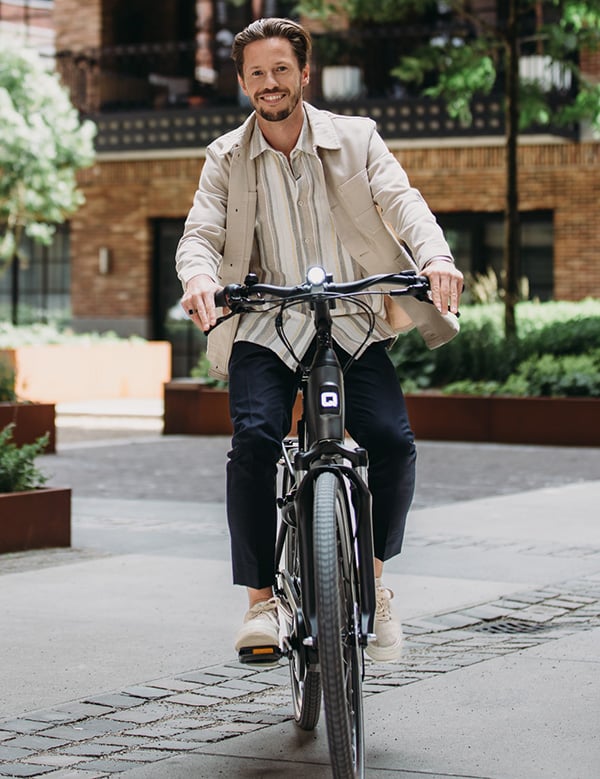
pixel 403 208
pixel 200 249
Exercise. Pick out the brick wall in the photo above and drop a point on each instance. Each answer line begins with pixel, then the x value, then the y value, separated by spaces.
pixel 78 25
pixel 122 197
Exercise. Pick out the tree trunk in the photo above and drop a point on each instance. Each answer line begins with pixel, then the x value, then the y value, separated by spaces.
pixel 14 293
pixel 511 217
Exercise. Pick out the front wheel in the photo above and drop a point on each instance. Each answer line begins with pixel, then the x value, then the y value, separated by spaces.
pixel 340 656
pixel 305 679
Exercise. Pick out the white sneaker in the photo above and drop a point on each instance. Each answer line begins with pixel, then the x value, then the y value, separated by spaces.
pixel 260 628
pixel 388 644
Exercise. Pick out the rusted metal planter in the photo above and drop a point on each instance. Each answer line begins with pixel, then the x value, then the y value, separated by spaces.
pixel 31 420
pixel 507 420
pixel 35 519
pixel 190 407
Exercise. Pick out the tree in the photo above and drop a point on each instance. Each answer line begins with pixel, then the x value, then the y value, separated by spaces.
pixel 476 46
pixel 42 145
pixel 481 46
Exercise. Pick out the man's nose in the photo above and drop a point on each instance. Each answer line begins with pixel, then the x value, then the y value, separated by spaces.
pixel 271 80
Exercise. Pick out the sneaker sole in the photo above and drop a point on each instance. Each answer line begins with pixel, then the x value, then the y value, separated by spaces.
pixel 385 654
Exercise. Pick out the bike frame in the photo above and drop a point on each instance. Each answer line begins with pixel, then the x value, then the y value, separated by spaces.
pixel 321 448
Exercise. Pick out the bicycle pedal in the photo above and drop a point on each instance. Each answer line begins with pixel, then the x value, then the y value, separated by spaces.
pixel 259 655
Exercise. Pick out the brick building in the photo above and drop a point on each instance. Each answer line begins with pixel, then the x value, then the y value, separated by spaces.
pixel 139 74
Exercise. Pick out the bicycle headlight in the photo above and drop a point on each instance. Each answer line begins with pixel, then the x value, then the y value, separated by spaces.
pixel 316 276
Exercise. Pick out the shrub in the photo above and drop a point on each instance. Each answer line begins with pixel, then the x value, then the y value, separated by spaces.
pixel 17 467
pixel 571 375
pixel 481 361
pixel 12 336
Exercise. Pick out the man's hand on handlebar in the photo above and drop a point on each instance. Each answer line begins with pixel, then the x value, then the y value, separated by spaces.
pixel 198 301
pixel 446 284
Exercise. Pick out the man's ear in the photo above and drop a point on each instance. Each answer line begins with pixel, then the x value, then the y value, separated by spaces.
pixel 242 84
pixel 305 75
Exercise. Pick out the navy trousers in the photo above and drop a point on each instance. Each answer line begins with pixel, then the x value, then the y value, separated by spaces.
pixel 262 391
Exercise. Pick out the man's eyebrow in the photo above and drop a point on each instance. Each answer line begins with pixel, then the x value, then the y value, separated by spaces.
pixel 278 62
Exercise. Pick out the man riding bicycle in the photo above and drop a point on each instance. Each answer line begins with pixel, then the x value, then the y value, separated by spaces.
pixel 293 187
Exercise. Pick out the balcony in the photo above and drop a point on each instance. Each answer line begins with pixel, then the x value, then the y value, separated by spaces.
pixel 145 97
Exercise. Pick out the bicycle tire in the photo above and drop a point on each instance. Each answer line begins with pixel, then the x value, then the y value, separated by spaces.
pixel 305 680
pixel 340 656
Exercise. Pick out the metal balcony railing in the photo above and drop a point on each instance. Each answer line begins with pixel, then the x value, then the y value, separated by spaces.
pixel 145 96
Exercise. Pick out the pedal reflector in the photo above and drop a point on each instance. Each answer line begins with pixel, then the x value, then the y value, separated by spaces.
pixel 259 654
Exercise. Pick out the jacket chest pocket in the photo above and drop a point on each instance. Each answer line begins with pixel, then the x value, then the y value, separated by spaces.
pixel 357 200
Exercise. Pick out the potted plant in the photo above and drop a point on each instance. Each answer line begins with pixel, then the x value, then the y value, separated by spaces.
pixel 30 420
pixel 32 516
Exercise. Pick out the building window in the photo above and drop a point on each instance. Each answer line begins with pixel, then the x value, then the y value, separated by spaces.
pixel 477 239
pixel 37 287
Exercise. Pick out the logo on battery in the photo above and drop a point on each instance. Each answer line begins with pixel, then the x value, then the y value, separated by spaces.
pixel 329 400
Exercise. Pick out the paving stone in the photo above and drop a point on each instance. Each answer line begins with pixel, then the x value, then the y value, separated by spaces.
pixel 59 761
pixel 85 729
pixel 486 612
pixel 13 753
pixel 142 691
pixel 108 766
pixel 4 734
pixel 115 700
pixel 35 742
pixel 208 735
pixel 120 741
pixel 138 715
pixel 247 685
pixel 538 613
pixel 23 726
pixel 92 749
pixel 23 769
pixel 144 756
pixel 77 774
pixel 175 685
pixel 82 709
pixel 192 699
pixel 172 745
pixel 153 731
pixel 224 693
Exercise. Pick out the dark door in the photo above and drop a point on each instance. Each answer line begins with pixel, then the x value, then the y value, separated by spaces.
pixel 169 320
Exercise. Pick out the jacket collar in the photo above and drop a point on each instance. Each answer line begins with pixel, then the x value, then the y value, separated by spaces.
pixel 321 122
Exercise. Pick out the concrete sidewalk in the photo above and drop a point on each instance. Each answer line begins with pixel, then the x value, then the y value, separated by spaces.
pixel 116 657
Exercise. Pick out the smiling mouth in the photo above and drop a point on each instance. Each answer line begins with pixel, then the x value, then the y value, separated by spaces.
pixel 272 99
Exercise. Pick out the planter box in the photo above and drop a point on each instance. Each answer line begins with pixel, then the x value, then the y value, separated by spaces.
pixel 31 421
pixel 190 407
pixel 508 420
pixel 58 373
pixel 35 519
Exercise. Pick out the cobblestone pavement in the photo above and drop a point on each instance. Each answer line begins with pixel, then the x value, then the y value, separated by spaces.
pixel 192 468
pixel 113 732
pixel 108 734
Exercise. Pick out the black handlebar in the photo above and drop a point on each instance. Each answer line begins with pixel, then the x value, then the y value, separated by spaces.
pixel 236 296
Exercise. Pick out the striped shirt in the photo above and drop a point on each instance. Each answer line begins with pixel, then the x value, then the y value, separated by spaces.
pixel 294 230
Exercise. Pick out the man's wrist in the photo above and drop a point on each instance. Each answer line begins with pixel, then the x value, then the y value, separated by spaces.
pixel 443 257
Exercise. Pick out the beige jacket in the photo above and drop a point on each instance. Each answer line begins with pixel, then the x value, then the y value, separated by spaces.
pixel 374 209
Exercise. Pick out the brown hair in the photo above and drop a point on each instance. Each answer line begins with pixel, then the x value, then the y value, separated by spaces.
pixel 272 28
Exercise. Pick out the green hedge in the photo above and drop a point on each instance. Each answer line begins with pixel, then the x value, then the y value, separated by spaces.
pixel 557 352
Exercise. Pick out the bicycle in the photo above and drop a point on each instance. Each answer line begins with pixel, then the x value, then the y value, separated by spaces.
pixel 324 550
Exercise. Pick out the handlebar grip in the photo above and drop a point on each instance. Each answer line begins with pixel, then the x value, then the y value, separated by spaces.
pixel 221 298
pixel 224 297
